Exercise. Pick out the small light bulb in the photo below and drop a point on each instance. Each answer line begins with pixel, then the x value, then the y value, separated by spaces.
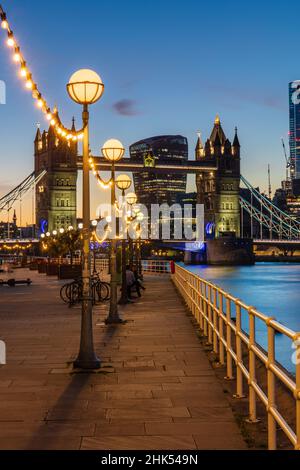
pixel 4 24
pixel 53 122
pixel 17 57
pixel 29 84
pixel 80 136
pixel 23 71
pixel 49 116
pixel 11 41
pixel 40 103
pixel 75 138
pixel 90 160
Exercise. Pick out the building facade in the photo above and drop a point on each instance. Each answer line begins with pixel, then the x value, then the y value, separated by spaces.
pixel 294 134
pixel 152 187
pixel 218 190
pixel 56 192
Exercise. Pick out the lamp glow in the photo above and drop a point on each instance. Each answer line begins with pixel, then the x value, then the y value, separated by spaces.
pixel 123 182
pixel 131 199
pixel 113 150
pixel 85 87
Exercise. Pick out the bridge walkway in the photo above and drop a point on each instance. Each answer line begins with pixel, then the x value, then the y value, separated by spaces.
pixel 156 389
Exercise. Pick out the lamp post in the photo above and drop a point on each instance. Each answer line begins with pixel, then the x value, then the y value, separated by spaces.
pixel 85 87
pixel 123 183
pixel 113 151
pixel 131 199
pixel 140 218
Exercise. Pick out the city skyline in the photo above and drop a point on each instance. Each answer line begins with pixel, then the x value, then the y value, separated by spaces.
pixel 157 82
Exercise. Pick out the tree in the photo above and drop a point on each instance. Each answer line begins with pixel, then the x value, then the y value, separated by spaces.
pixel 63 244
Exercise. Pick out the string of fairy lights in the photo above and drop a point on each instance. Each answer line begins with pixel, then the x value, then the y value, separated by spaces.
pixel 103 184
pixel 42 104
pixel 16 247
pixel 30 85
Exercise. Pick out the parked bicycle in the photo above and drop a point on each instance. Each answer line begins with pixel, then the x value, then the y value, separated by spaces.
pixel 72 293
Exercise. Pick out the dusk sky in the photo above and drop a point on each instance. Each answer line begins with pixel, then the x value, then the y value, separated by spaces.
pixel 168 67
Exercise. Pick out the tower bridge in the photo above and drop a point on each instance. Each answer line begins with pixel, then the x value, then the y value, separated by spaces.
pixel 228 209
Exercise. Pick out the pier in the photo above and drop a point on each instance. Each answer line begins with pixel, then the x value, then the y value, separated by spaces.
pixel 156 388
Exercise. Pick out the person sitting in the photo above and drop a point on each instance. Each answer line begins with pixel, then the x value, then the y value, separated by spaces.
pixel 138 283
pixel 130 281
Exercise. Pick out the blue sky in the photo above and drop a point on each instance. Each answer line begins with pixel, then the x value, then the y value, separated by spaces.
pixel 168 67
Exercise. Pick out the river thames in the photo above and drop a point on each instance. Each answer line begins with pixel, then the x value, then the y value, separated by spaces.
pixel 272 288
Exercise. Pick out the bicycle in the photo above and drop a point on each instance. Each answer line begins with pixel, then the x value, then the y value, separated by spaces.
pixel 72 293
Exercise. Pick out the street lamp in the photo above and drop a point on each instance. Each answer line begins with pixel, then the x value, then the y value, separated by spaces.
pixel 85 87
pixel 131 199
pixel 113 151
pixel 123 183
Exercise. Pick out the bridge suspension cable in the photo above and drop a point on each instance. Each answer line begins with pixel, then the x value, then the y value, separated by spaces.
pixel 269 216
pixel 7 201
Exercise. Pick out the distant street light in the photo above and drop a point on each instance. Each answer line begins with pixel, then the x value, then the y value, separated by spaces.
pixel 85 87
pixel 131 199
pixel 123 183
pixel 113 151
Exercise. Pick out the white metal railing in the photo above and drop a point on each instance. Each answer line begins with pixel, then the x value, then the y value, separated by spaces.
pixel 102 265
pixel 156 266
pixel 220 316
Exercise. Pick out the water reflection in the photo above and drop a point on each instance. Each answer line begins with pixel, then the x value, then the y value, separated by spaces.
pixel 272 288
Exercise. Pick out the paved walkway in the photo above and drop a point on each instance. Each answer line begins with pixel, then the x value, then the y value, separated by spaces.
pixel 157 389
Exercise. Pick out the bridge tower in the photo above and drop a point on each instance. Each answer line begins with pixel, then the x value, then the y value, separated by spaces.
pixel 219 190
pixel 56 192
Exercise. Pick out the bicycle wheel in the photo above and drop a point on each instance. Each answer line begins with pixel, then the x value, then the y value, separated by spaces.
pixel 102 291
pixel 75 293
pixel 64 293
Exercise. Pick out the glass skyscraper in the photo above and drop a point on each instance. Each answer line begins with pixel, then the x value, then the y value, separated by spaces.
pixel 294 104
pixel 159 188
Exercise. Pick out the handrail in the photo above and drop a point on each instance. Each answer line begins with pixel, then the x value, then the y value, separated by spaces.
pixel 213 309
pixel 155 266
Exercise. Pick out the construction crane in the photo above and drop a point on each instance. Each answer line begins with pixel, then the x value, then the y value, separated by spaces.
pixel 269 182
pixel 290 166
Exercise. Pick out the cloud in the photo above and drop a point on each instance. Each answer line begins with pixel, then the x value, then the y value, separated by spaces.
pixel 126 107
pixel 237 95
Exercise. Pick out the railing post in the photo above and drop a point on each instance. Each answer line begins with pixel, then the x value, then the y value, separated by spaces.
pixel 205 332
pixel 297 393
pixel 192 292
pixel 221 331
pixel 201 306
pixel 271 387
pixel 252 370
pixel 194 297
pixel 209 339
pixel 198 304
pixel 239 353
pixel 228 340
pixel 215 343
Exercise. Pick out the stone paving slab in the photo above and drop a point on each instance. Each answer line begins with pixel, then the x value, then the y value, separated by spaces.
pixel 156 390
